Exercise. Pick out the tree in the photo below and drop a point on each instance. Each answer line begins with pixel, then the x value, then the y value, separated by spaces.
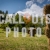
pixel 3 26
pixel 18 25
pixel 6 12
pixel 1 12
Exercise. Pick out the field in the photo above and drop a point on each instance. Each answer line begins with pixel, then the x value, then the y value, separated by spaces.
pixel 21 43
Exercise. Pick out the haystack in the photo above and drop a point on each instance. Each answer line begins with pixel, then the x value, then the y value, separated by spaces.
pixel 47 11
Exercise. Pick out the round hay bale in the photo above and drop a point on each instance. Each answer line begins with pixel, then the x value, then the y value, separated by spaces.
pixel 47 32
pixel 46 10
pixel 34 31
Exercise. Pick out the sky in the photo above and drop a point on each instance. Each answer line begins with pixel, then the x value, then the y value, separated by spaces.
pixel 23 6
pixel 12 5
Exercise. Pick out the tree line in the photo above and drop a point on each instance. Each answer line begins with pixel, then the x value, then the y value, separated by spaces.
pixel 28 22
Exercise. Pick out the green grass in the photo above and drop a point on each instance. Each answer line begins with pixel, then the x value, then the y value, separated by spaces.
pixel 21 43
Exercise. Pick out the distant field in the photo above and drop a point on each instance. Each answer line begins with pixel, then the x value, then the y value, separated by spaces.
pixel 20 43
